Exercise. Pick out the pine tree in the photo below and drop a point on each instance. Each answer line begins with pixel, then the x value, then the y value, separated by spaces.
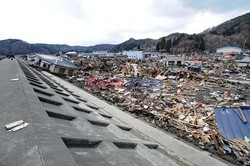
pixel 162 43
pixel 157 47
pixel 168 45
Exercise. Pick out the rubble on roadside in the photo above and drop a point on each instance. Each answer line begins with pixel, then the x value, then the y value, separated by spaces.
pixel 183 106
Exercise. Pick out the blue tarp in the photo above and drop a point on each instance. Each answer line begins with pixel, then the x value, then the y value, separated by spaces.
pixel 230 122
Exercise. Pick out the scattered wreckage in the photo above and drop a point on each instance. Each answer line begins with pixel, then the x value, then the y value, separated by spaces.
pixel 198 107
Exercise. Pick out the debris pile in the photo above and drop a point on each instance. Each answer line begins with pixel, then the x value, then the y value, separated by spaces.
pixel 184 105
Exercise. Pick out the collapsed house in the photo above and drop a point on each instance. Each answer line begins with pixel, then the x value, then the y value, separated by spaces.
pixel 54 64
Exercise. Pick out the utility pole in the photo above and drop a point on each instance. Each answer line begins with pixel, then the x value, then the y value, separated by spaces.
pixel 199 45
pixel 244 45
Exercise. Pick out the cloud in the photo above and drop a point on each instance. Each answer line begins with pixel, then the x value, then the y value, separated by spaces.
pixel 218 6
pixel 87 22
pixel 171 8
pixel 73 8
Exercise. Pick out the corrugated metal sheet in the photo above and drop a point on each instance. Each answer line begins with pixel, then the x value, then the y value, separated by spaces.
pixel 230 122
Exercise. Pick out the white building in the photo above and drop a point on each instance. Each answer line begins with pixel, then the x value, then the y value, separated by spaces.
pixel 151 54
pixel 173 60
pixel 165 55
pixel 134 54
pixel 229 49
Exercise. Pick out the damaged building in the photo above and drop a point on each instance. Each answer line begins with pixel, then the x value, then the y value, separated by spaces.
pixel 54 64
pixel 174 60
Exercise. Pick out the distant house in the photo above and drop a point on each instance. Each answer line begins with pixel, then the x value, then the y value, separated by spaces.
pixel 229 50
pixel 244 62
pixel 134 54
pixel 71 54
pixel 151 54
pixel 173 60
pixel 164 55
pixel 100 53
pixel 120 56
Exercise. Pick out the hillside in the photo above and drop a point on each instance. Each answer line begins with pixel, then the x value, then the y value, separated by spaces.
pixel 230 33
pixel 15 46
pixel 99 47
pixel 55 48
pixel 141 44
pixel 233 32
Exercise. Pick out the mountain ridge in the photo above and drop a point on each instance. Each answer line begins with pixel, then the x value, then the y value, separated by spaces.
pixel 234 32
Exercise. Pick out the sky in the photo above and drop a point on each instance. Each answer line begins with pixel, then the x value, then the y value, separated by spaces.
pixel 90 22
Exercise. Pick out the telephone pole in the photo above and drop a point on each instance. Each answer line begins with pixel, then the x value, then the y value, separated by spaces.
pixel 244 45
